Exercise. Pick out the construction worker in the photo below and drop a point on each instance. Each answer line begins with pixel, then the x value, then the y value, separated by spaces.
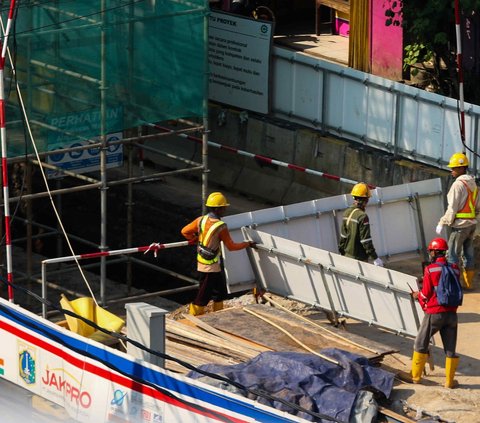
pixel 209 230
pixel 355 239
pixel 437 318
pixel 461 217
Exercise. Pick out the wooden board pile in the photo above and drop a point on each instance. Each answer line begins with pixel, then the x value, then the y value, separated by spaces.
pixel 237 334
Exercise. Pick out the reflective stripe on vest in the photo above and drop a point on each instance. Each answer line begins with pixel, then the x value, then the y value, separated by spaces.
pixel 468 210
pixel 204 239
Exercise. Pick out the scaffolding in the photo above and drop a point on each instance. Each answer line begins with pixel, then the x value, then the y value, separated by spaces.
pixel 83 75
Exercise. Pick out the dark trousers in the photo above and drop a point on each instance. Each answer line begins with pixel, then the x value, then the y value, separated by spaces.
pixel 212 287
pixel 446 324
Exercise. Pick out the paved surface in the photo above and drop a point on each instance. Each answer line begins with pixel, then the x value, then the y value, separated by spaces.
pixel 333 48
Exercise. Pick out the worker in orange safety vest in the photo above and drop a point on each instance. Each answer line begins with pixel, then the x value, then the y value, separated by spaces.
pixel 461 216
pixel 209 231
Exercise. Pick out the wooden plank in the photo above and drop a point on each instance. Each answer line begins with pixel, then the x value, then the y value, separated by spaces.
pixel 380 349
pixel 200 336
pixel 326 333
pixel 340 5
pixel 235 339
pixel 199 345
pixel 194 356
pixel 393 415
pixel 237 322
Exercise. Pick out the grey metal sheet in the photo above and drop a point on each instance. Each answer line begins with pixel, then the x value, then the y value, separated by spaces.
pixel 378 296
pixel 394 221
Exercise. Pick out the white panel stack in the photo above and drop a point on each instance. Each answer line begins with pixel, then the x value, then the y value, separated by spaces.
pixel 348 287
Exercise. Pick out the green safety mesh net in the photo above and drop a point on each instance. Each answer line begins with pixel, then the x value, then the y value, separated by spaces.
pixel 92 67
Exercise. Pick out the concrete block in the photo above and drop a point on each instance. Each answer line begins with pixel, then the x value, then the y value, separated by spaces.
pixel 146 325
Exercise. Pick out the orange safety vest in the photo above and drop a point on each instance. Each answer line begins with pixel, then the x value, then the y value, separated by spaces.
pixel 468 209
pixel 204 241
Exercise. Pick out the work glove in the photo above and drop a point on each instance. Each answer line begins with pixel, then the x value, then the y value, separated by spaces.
pixel 438 229
pixel 378 262
pixel 252 244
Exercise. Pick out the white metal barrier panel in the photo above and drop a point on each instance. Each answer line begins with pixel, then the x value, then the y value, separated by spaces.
pixel 348 287
pixel 384 114
pixel 402 220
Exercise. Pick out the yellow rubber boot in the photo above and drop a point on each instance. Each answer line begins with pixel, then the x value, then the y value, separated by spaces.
pixel 451 364
pixel 418 364
pixel 196 310
pixel 217 305
pixel 468 276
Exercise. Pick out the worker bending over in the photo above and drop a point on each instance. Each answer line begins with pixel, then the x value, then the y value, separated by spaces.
pixel 209 231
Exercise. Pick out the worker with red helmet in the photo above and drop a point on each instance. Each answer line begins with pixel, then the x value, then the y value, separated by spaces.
pixel 461 216
pixel 355 238
pixel 437 318
pixel 209 231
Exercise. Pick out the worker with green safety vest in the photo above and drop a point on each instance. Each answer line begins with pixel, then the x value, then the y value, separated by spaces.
pixel 355 238
pixel 209 231
pixel 461 217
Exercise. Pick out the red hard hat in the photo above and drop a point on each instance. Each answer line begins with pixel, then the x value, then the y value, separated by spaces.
pixel 438 244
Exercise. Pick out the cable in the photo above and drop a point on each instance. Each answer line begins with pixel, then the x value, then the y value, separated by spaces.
pixel 256 392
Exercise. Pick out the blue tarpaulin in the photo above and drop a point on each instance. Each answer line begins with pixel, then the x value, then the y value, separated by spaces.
pixel 307 380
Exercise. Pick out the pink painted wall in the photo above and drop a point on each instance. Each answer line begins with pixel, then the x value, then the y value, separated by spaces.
pixel 342 27
pixel 387 44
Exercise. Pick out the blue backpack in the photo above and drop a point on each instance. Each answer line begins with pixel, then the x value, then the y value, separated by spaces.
pixel 449 291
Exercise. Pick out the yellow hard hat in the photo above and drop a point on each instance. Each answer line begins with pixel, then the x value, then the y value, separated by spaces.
pixel 361 190
pixel 216 199
pixel 458 160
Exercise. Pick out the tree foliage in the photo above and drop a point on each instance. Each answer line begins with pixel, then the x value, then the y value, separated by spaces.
pixel 430 41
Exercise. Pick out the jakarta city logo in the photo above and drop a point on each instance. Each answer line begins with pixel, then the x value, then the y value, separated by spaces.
pixel 27 367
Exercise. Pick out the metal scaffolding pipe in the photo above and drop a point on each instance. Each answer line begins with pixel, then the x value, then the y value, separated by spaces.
pixel 165 154
pixel 154 294
pixel 155 247
pixel 66 172
pixel 103 150
pixel 154 176
pixel 92 143
pixel 98 184
pixel 166 271
pixel 73 268
pixel 65 71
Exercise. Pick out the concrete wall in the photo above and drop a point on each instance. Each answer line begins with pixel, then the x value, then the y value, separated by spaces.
pixel 289 143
